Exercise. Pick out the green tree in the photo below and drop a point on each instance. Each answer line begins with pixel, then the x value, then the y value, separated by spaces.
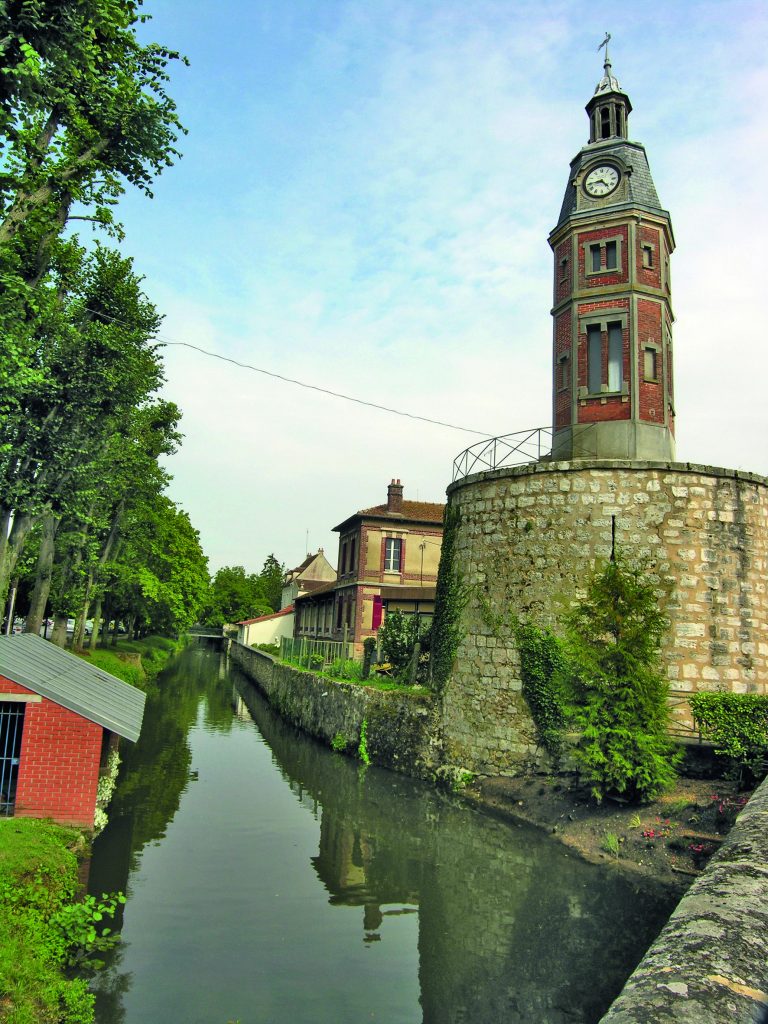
pixel 83 112
pixel 613 638
pixel 235 595
pixel 398 636
pixel 271 582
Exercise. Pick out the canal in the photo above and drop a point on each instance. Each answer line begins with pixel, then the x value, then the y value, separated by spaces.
pixel 271 881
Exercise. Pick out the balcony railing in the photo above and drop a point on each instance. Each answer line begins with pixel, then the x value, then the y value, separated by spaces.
pixel 517 449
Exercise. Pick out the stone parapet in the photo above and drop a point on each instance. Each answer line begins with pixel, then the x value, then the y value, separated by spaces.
pixel 402 729
pixel 710 962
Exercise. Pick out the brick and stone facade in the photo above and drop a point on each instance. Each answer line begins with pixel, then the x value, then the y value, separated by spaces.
pixel 612 303
pixel 530 536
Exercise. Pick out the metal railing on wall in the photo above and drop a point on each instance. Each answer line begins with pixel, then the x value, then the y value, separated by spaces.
pixel 314 654
pixel 534 445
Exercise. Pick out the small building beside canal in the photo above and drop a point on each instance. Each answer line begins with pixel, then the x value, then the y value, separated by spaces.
pixel 60 718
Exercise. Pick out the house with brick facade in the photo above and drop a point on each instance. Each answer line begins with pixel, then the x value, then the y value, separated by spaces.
pixel 60 718
pixel 388 559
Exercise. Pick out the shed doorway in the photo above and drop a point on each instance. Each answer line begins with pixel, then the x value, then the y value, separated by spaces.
pixel 11 728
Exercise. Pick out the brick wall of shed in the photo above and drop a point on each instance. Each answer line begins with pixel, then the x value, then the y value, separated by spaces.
pixel 59 763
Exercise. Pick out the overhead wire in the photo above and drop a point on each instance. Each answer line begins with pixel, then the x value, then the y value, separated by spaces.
pixel 167 342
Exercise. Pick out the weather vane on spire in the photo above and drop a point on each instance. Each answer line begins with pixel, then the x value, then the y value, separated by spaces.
pixel 605 44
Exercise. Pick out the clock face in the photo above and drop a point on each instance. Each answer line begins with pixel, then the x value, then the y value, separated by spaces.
pixel 601 181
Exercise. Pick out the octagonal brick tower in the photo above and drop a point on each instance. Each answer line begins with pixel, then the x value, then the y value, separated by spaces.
pixel 612 352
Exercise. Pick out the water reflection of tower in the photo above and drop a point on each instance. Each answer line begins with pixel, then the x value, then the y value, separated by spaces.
pixel 348 867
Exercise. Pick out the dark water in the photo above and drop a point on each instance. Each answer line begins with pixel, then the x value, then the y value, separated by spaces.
pixel 271 881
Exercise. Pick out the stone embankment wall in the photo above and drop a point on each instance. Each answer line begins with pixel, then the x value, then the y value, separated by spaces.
pixel 530 536
pixel 710 962
pixel 402 729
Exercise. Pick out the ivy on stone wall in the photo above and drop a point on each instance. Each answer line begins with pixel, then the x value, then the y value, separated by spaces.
pixel 451 595
pixel 542 666
pixel 737 724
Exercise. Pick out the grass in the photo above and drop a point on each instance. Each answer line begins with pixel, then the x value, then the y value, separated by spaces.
pixel 134 661
pixel 610 844
pixel 343 674
pixel 38 875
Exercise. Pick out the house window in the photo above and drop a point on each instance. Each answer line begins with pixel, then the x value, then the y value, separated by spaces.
pixel 594 359
pixel 611 256
pixel 339 613
pixel 615 357
pixel 393 547
pixel 651 364
pixel 352 554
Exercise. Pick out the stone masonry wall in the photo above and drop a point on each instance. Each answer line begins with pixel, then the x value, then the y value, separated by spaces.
pixel 530 536
pixel 402 729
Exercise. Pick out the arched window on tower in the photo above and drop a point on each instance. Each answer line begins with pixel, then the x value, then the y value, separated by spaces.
pixel 605 123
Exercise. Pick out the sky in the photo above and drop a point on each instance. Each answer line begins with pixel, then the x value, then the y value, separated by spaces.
pixel 363 204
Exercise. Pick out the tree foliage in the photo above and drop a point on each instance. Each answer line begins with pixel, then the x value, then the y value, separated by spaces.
pixel 236 595
pixel 613 638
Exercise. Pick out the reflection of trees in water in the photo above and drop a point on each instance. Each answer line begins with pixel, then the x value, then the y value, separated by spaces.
pixel 510 927
pixel 156 770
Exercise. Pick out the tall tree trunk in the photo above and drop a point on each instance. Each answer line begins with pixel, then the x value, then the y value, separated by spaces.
pixel 59 632
pixel 42 588
pixel 14 530
pixel 96 623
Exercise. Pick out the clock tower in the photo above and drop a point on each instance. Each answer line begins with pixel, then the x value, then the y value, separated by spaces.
pixel 612 351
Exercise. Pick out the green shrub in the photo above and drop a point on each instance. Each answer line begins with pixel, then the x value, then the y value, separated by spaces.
pixel 362 747
pixel 737 724
pixel 398 638
pixel 42 931
pixel 339 742
pixel 619 692
pixel 346 668
pixel 273 649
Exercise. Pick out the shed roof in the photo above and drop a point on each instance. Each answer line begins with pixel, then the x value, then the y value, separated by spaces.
pixel 62 677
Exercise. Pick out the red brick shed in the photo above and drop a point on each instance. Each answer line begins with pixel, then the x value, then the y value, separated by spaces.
pixel 59 718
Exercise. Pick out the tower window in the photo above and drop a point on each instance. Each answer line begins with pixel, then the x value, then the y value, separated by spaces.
pixel 564 268
pixel 650 364
pixel 594 359
pixel 647 256
pixel 605 123
pixel 595 257
pixel 563 372
pixel 615 357
pixel 611 253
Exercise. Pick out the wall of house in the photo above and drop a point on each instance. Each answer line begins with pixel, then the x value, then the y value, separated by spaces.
pixel 419 564
pixel 529 537
pixel 401 728
pixel 59 763
pixel 267 632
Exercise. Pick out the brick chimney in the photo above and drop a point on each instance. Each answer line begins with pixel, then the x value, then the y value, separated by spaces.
pixel 395 497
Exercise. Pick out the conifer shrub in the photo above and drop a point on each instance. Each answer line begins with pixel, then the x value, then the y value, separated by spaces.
pixel 618 690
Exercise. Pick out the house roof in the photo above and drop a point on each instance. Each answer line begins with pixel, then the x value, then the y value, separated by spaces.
pixel 322 589
pixel 412 511
pixel 73 683
pixel 263 618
